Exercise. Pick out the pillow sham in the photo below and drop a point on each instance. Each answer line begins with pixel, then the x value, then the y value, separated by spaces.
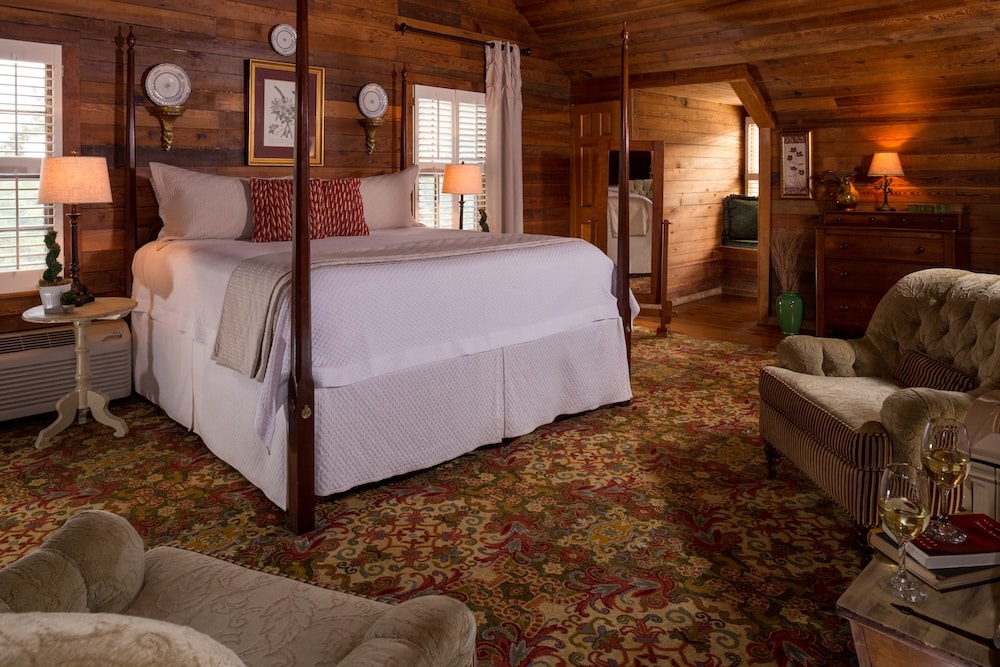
pixel 388 199
pixel 194 205
pixel 916 369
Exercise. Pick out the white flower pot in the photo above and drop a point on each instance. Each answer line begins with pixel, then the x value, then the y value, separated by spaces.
pixel 50 297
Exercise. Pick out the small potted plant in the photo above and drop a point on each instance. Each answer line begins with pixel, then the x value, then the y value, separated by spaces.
pixel 68 301
pixel 52 283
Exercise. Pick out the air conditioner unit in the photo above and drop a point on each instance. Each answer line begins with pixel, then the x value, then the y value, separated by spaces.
pixel 38 367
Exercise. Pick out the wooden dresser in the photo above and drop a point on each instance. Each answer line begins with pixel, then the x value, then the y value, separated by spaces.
pixel 861 254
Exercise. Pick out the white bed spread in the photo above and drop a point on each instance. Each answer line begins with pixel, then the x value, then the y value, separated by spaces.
pixel 563 342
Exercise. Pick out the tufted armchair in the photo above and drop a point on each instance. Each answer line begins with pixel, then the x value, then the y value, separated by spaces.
pixel 91 595
pixel 840 410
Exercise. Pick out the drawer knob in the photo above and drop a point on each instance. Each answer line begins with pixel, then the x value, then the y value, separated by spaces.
pixel 843 246
pixel 872 219
pixel 844 308
pixel 843 274
pixel 920 250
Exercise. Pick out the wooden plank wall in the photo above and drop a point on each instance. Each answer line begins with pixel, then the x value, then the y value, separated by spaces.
pixel 947 160
pixel 702 164
pixel 356 41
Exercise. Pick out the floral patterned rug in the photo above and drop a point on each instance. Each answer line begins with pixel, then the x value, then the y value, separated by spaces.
pixel 645 534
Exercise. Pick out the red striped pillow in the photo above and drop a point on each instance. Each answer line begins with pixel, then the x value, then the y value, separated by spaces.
pixel 272 209
pixel 916 369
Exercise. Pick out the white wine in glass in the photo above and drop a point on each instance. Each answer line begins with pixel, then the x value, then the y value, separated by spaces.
pixel 902 506
pixel 945 454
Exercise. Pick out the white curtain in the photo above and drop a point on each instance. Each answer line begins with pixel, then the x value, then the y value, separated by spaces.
pixel 504 182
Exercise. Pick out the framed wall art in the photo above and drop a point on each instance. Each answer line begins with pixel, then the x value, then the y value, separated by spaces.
pixel 271 113
pixel 796 165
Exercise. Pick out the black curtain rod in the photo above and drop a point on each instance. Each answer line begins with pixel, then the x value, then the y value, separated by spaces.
pixel 404 27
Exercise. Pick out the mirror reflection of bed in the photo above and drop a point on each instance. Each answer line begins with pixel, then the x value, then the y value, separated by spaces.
pixel 643 216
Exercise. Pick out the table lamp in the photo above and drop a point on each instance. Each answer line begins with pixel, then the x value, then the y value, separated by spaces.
pixel 74 180
pixel 462 179
pixel 885 165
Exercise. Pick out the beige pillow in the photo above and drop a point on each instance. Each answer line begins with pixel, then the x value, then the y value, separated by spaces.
pixel 110 640
pixel 388 199
pixel 194 205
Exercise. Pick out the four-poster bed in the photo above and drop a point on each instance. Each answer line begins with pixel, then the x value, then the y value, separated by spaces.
pixel 344 394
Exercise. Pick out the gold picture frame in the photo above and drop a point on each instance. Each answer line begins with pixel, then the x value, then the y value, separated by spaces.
pixel 271 113
pixel 796 165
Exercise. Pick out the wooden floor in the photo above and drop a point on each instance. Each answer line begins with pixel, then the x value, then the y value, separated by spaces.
pixel 729 318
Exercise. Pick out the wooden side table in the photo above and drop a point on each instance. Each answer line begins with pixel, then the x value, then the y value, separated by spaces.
pixel 83 398
pixel 886 637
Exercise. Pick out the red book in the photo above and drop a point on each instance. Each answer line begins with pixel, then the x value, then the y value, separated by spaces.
pixel 981 548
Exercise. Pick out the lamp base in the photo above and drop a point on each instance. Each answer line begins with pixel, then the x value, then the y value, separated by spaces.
pixel 86 297
pixel 885 207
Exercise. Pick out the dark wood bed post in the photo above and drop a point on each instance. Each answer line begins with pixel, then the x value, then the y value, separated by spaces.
pixel 301 513
pixel 131 237
pixel 622 281
pixel 403 115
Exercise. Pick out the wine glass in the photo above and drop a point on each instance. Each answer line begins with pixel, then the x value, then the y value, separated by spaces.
pixel 945 454
pixel 904 510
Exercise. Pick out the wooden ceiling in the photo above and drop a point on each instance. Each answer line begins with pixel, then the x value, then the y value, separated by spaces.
pixel 815 62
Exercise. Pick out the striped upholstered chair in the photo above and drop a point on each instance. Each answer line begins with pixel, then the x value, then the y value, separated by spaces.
pixel 840 410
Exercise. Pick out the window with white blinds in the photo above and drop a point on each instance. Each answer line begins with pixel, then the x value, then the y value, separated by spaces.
pixel 752 159
pixel 449 128
pixel 30 129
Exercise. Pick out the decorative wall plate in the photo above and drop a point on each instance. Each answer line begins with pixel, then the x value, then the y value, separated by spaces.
pixel 167 85
pixel 373 101
pixel 283 38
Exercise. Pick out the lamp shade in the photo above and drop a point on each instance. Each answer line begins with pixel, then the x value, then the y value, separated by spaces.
pixel 885 164
pixel 74 179
pixel 462 179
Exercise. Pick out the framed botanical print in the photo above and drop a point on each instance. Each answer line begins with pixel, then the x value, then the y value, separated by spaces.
pixel 271 113
pixel 796 165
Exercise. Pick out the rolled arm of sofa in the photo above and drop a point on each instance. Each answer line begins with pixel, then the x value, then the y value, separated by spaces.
pixel 905 412
pixel 817 356
pixel 429 631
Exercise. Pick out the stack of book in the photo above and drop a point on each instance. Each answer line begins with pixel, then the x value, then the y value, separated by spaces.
pixel 946 566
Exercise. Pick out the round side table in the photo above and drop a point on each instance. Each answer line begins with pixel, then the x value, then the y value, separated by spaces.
pixel 83 398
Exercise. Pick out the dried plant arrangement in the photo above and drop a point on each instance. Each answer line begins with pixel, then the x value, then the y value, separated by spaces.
pixel 786 246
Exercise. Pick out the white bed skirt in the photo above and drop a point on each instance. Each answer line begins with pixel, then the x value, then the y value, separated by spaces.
pixel 392 424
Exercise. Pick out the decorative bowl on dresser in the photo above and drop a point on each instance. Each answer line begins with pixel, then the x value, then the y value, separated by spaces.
pixel 861 254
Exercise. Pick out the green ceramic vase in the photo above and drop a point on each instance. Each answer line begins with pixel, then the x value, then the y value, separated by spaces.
pixel 789 308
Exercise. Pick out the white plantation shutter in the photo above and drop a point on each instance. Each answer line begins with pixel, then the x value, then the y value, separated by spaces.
pixel 752 172
pixel 450 127
pixel 30 129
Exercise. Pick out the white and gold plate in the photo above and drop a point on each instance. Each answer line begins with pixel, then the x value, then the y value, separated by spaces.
pixel 167 85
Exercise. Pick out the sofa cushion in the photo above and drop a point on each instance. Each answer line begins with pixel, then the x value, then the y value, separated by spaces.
pixel 916 369
pixel 841 412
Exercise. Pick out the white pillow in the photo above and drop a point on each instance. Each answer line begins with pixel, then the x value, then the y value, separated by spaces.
pixel 194 205
pixel 388 199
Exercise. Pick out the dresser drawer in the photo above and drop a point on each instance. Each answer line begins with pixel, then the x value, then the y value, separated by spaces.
pixel 848 313
pixel 873 277
pixel 907 220
pixel 924 249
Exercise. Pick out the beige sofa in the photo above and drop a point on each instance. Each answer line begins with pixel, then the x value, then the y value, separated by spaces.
pixel 840 410
pixel 91 595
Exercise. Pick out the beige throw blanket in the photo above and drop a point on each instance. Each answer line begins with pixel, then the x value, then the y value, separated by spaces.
pixel 258 287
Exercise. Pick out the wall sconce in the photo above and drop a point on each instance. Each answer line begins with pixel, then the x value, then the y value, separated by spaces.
pixel 167 115
pixel 885 165
pixel 168 87
pixel 370 124
pixel 462 179
pixel 74 180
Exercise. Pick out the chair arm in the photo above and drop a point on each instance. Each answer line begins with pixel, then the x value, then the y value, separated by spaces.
pixel 905 413
pixel 429 631
pixel 93 562
pixel 817 356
